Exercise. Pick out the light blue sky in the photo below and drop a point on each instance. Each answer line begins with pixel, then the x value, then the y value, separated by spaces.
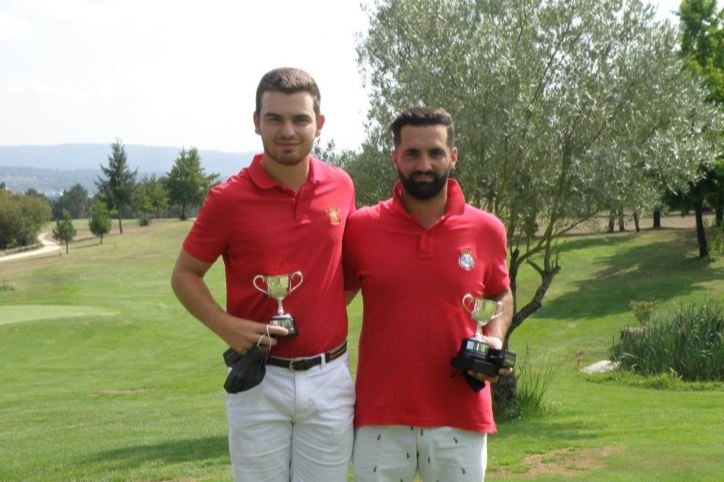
pixel 173 72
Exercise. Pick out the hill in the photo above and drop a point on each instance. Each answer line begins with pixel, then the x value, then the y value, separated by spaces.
pixel 51 169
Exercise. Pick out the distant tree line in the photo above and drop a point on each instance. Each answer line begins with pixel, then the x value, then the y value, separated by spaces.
pixel 120 195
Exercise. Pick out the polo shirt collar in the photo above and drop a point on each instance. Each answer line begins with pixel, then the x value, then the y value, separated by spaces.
pixel 455 198
pixel 317 173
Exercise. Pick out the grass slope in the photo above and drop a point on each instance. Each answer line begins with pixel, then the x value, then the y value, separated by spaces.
pixel 105 377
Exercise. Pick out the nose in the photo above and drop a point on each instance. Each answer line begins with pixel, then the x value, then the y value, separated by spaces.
pixel 424 164
pixel 288 129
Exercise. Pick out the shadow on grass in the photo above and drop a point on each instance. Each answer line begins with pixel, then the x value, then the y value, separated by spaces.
pixel 171 452
pixel 551 429
pixel 656 271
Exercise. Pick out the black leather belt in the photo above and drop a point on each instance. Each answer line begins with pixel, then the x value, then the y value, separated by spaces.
pixel 297 364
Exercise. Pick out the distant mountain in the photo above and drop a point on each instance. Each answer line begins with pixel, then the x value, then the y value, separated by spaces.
pixel 50 169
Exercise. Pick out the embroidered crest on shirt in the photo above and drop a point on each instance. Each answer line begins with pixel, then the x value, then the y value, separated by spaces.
pixel 333 214
pixel 466 260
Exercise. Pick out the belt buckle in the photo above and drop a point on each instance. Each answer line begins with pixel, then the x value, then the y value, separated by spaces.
pixel 291 365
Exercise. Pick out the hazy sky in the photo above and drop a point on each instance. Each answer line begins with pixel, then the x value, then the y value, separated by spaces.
pixel 173 72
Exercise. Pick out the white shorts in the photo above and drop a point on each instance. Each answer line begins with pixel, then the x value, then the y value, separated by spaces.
pixel 384 453
pixel 294 426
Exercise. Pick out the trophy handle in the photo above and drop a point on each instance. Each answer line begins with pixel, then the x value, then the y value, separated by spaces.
pixel 471 298
pixel 293 286
pixel 498 310
pixel 256 278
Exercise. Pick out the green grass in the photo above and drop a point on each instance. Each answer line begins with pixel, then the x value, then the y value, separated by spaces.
pixel 105 377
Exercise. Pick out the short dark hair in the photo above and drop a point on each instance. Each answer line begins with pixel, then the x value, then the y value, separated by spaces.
pixel 289 81
pixel 423 116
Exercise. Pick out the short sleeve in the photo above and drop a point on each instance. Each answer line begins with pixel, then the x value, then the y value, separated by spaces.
pixel 208 237
pixel 496 277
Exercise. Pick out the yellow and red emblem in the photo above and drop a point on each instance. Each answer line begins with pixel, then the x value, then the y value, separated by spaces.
pixel 334 215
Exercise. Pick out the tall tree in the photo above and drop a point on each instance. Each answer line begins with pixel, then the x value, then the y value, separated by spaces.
pixel 99 221
pixel 117 185
pixel 558 104
pixel 702 47
pixel 64 231
pixel 187 183
pixel 74 200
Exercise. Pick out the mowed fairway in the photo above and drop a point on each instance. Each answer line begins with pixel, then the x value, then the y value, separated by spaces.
pixel 105 377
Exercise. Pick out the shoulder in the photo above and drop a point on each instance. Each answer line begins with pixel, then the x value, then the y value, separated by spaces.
pixel 362 220
pixel 229 189
pixel 484 220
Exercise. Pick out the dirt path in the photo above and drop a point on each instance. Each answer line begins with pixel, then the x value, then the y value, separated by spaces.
pixel 49 247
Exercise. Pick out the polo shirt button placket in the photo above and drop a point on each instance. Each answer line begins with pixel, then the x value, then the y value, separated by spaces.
pixel 424 247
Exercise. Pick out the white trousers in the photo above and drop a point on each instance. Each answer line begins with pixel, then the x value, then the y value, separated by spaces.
pixel 391 453
pixel 294 426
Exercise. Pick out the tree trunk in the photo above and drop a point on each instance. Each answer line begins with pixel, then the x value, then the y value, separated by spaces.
pixel 611 220
pixel 101 239
pixel 700 234
pixel 636 221
pixel 718 215
pixel 657 218
pixel 621 225
pixel 183 211
pixel 66 247
pixel 505 397
pixel 120 223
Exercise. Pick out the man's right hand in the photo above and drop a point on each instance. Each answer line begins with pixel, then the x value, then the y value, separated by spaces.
pixel 243 334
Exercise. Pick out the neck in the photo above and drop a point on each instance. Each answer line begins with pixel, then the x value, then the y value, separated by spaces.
pixel 427 212
pixel 292 176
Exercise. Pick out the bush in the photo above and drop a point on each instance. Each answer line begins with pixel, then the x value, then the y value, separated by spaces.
pixel 642 310
pixel 532 382
pixel 687 342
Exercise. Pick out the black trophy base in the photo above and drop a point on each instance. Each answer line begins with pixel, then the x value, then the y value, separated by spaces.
pixel 285 321
pixel 477 356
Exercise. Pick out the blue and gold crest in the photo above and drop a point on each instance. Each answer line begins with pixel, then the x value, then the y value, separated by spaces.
pixel 466 260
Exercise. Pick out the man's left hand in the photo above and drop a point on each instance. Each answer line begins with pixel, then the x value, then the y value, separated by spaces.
pixel 497 343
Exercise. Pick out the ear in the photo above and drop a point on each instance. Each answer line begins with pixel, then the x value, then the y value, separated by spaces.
pixel 257 129
pixel 453 157
pixel 394 158
pixel 320 123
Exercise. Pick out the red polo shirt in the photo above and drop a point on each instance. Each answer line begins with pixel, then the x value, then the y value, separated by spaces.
pixel 261 227
pixel 413 280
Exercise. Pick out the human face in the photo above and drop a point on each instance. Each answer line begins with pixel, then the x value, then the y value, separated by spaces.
pixel 424 160
pixel 288 126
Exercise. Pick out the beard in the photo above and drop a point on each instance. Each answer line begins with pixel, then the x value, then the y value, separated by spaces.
pixel 425 190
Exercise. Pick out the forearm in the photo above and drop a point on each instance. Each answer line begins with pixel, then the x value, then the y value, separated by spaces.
pixel 499 326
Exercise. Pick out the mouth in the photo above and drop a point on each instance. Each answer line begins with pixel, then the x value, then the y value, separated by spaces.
pixel 287 145
pixel 423 176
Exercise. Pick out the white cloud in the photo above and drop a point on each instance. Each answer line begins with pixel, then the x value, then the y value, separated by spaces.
pixel 11 26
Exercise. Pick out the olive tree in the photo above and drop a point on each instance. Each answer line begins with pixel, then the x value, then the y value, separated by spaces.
pixel 563 108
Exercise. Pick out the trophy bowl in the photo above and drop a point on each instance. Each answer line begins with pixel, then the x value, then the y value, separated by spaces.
pixel 279 287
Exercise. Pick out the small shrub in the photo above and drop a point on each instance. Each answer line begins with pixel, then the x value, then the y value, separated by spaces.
pixel 6 286
pixel 532 382
pixel 686 342
pixel 642 310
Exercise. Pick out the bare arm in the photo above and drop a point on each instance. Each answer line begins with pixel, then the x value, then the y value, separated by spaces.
pixel 188 284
